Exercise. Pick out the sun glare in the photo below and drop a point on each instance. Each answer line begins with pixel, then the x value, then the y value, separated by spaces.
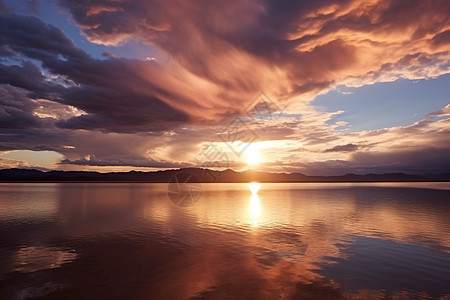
pixel 253 158
pixel 254 187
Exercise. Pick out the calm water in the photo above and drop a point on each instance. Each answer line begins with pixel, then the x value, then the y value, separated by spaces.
pixel 285 241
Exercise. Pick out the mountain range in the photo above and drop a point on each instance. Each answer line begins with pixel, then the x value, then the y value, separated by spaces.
pixel 202 175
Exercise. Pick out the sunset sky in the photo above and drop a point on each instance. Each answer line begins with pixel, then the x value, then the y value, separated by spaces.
pixel 317 87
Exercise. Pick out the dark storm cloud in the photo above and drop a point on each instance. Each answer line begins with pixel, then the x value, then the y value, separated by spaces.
pixel 116 96
pixel 127 162
pixel 114 92
pixel 21 129
pixel 15 109
pixel 28 77
pixel 33 5
pixel 81 93
pixel 33 38
pixel 5 8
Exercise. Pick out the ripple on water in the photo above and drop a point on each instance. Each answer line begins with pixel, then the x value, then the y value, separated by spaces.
pixel 383 264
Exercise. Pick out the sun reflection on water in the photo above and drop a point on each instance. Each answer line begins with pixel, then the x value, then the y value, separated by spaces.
pixel 255 204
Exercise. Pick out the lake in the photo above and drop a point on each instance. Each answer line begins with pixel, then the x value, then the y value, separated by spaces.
pixel 230 241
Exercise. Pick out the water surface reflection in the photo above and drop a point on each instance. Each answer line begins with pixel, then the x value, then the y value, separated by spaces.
pixel 255 204
pixel 264 241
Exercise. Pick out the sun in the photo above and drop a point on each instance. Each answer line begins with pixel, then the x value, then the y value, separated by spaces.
pixel 253 158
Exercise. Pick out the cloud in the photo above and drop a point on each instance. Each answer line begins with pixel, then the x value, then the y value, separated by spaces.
pixel 35 39
pixel 5 8
pixel 104 89
pixel 217 66
pixel 28 77
pixel 442 39
pixel 419 148
pixel 33 5
pixel 311 45
pixel 6 163
pixel 218 55
pixel 137 162
pixel 15 109
pixel 343 148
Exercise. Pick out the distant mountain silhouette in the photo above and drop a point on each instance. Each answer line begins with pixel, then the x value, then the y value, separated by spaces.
pixel 202 175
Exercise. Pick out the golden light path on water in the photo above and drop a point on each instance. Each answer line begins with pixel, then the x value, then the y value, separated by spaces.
pixel 255 240
pixel 255 204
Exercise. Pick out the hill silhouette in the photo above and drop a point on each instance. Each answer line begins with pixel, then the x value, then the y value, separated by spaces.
pixel 203 175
